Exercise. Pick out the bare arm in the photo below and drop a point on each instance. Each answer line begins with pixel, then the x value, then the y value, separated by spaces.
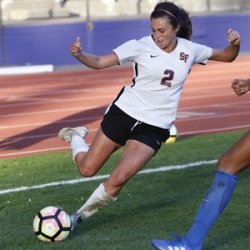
pixel 92 61
pixel 241 87
pixel 231 51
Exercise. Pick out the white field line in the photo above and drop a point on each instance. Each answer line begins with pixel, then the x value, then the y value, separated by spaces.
pixel 27 101
pixel 90 107
pixel 196 132
pixel 182 113
pixel 216 130
pixel 182 117
pixel 53 111
pixel 98 177
pixel 235 67
pixel 46 150
pixel 79 87
pixel 39 124
pixel 14 101
pixel 35 136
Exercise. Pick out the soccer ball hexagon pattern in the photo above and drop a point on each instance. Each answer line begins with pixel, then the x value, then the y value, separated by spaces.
pixel 52 224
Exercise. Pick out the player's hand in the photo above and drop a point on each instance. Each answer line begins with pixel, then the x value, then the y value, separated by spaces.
pixel 233 37
pixel 76 48
pixel 240 87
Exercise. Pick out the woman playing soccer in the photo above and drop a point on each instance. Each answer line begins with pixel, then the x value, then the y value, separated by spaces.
pixel 229 166
pixel 142 114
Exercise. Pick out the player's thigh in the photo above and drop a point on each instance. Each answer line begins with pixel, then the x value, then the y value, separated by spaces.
pixel 100 150
pixel 237 158
pixel 134 157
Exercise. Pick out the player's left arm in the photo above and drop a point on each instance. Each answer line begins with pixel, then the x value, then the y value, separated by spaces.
pixel 230 52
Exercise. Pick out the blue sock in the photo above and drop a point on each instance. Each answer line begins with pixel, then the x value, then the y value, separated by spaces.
pixel 214 202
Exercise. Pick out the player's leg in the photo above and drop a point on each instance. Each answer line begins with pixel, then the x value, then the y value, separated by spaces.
pixel 100 150
pixel 234 161
pixel 141 142
pixel 133 158
pixel 75 136
pixel 88 159
pixel 237 158
pixel 88 164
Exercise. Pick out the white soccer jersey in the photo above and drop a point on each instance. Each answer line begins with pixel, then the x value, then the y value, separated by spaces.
pixel 154 94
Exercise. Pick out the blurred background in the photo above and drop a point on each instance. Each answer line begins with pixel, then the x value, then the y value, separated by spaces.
pixel 37 32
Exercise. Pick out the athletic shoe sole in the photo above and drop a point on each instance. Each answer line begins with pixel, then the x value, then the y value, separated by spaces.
pixel 65 134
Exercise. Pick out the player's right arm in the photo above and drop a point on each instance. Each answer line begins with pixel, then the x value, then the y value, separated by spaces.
pixel 92 61
pixel 240 86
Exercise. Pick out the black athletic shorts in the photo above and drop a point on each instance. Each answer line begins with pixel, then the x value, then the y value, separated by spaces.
pixel 120 127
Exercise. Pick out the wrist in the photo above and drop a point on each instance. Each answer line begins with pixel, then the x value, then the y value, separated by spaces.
pixel 79 55
pixel 248 82
pixel 236 43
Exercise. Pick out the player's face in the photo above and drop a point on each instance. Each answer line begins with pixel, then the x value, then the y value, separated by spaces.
pixel 164 34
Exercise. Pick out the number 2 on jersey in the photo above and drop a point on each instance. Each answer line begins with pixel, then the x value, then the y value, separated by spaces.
pixel 168 77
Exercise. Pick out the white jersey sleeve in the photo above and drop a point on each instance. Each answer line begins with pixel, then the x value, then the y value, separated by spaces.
pixel 203 53
pixel 129 51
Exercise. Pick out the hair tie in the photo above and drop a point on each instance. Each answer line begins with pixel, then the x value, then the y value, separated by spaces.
pixel 168 13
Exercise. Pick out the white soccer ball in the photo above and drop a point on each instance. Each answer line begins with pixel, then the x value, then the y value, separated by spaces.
pixel 173 135
pixel 52 224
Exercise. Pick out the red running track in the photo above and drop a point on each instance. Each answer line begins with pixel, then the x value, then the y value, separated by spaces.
pixel 35 107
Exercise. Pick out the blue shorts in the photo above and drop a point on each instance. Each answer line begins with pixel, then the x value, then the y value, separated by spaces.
pixel 120 127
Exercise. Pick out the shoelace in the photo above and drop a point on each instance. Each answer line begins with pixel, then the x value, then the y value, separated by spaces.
pixel 175 236
pixel 176 241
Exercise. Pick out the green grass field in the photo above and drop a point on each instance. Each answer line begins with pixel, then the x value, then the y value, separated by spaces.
pixel 151 205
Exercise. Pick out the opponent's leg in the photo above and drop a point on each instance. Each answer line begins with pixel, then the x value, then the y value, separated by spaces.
pixel 215 201
pixel 234 161
pixel 212 205
pixel 237 158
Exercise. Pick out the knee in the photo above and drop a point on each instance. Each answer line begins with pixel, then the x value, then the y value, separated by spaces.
pixel 222 163
pixel 86 170
pixel 225 164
